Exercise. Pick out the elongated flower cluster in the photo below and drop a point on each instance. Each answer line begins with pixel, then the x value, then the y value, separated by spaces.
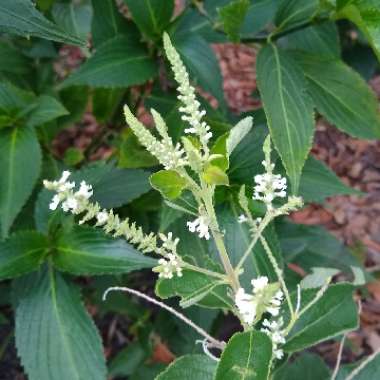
pixel 169 155
pixel 191 106
pixel 200 226
pixel 274 330
pixel 77 202
pixel 265 297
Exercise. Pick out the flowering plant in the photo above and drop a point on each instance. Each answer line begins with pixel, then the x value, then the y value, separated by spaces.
pixel 268 313
pixel 191 214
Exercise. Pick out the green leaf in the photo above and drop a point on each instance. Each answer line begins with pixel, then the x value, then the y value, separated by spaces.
pixel 119 62
pixel 151 16
pixel 169 183
pixel 330 84
pixel 306 367
pixel 248 356
pixel 288 108
pixel 19 174
pixel 316 39
pixel 190 367
pixel 318 182
pixel 86 251
pixel 214 175
pixel 232 16
pixel 73 18
pixel 107 22
pixel 246 158
pixel 12 60
pixel 260 15
pixel 73 156
pixel 369 371
pixel 366 15
pixel 105 102
pixel 238 133
pixel 313 246
pixel 318 277
pixel 202 64
pixel 20 17
pixel 46 109
pixel 23 252
pixel 334 314
pixel 49 311
pixel 237 239
pixel 293 13
pixel 194 287
pixel 132 154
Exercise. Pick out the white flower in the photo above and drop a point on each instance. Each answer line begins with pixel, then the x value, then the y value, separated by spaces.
pixel 242 219
pixel 274 331
pixel 259 284
pixel 276 301
pixel 84 190
pixel 200 225
pixel 54 202
pixel 269 186
pixel 70 204
pixel 168 243
pixel 101 218
pixel 169 266
pixel 246 306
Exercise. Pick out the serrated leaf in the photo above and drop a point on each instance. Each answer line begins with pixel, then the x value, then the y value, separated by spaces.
pixel 46 109
pixel 248 356
pixel 293 13
pixel 320 39
pixel 49 311
pixel 86 251
pixel 22 253
pixel 194 285
pixel 318 182
pixel 232 16
pixel 190 367
pixel 12 60
pixel 20 17
pixel 151 16
pixel 330 84
pixel 238 133
pixel 19 174
pixel 169 183
pixel 108 22
pixel 306 367
pixel 334 314
pixel 366 15
pixel 214 175
pixel 119 62
pixel 288 108
pixel 73 18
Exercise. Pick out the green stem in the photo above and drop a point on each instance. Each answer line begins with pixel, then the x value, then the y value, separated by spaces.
pixel 280 277
pixel 204 271
pixel 218 238
pixel 266 220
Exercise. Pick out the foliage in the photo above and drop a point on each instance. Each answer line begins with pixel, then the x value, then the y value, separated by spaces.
pixel 201 198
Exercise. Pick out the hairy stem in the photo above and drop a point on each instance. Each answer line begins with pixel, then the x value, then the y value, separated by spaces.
pixel 278 271
pixel 207 272
pixel 216 343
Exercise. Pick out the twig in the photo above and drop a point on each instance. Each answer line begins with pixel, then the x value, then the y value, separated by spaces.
pixel 216 343
pixel 339 358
